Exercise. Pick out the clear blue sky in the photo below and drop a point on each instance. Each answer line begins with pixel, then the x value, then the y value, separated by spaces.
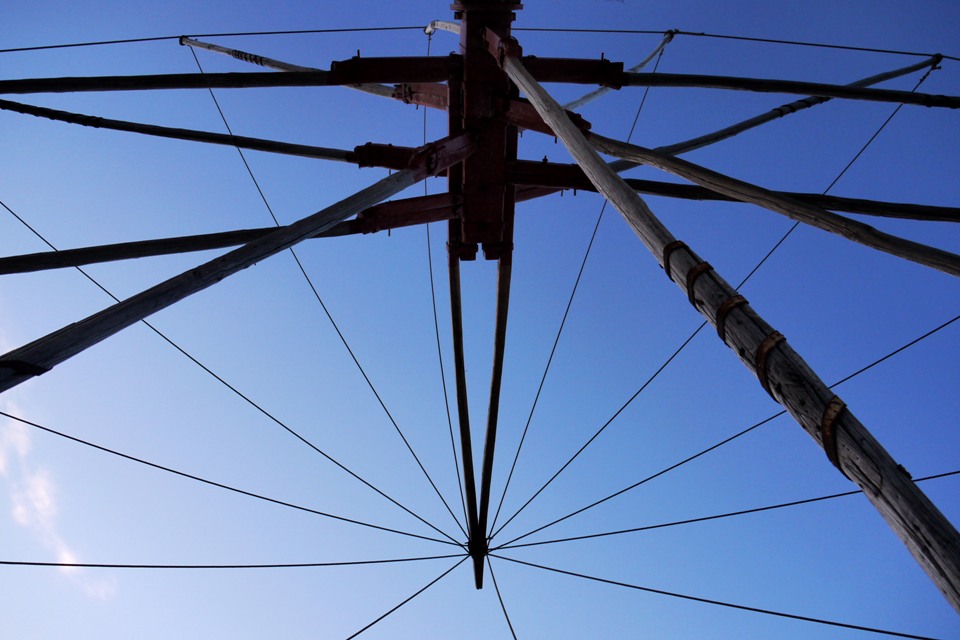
pixel 840 305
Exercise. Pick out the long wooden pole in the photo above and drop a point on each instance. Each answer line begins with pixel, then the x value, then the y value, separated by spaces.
pixel 531 176
pixel 929 536
pixel 280 65
pixel 765 85
pixel 807 213
pixel 258 144
pixel 43 354
pixel 685 146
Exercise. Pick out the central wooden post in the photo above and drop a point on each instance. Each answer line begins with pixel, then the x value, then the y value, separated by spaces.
pixel 478 98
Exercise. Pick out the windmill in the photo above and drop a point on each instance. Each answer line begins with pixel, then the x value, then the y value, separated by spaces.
pixel 480 90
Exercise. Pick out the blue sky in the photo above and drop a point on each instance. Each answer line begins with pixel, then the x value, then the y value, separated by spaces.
pixel 841 306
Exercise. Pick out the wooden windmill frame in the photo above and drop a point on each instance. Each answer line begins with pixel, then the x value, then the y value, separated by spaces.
pixel 480 90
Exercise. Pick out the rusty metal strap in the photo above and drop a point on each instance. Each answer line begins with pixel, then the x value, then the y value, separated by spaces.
pixel 760 362
pixel 668 252
pixel 692 275
pixel 828 430
pixel 21 366
pixel 724 310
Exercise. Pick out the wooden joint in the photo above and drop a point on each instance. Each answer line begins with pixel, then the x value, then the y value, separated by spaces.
pixel 692 275
pixel 24 367
pixel 763 353
pixel 828 430
pixel 724 310
pixel 668 252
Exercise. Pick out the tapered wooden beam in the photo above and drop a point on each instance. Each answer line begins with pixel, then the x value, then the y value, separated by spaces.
pixel 166 81
pixel 530 176
pixel 504 270
pixel 764 85
pixel 257 144
pixel 463 408
pixel 725 133
pixel 43 354
pixel 929 536
pixel 750 123
pixel 279 65
pixel 808 214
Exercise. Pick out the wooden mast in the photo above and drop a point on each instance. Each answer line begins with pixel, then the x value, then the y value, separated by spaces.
pixel 930 537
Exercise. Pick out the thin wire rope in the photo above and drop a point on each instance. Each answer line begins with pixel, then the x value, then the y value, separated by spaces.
pixel 563 320
pixel 720 603
pixel 436 328
pixel 417 593
pixel 731 438
pixel 316 294
pixel 213 483
pixel 704 323
pixel 503 607
pixel 206 35
pixel 798 43
pixel 286 565
pixel 236 391
pixel 720 516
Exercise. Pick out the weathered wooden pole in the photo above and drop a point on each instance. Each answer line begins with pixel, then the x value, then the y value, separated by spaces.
pixel 929 536
pixel 765 85
pixel 258 144
pixel 44 353
pixel 807 213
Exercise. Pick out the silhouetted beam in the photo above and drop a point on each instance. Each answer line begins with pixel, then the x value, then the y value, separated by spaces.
pixel 536 179
pixel 166 81
pixel 192 135
pixel 764 85
pixel 389 215
pixel 504 270
pixel 145 248
pixel 463 409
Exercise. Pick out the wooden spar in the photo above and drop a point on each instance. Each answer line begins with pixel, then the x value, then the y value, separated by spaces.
pixel 593 95
pixel 270 146
pixel 809 214
pixel 792 107
pixel 764 85
pixel 572 177
pixel 529 176
pixel 262 61
pixel 146 248
pixel 346 72
pixel 43 354
pixel 463 410
pixel 166 81
pixel 279 65
pixel 504 271
pixel 750 123
pixel 929 536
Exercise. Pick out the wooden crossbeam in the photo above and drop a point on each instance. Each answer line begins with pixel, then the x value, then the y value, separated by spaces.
pixel 807 213
pixel 244 142
pixel 765 85
pixel 536 179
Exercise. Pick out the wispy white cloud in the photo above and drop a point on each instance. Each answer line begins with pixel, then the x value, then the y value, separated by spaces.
pixel 33 498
